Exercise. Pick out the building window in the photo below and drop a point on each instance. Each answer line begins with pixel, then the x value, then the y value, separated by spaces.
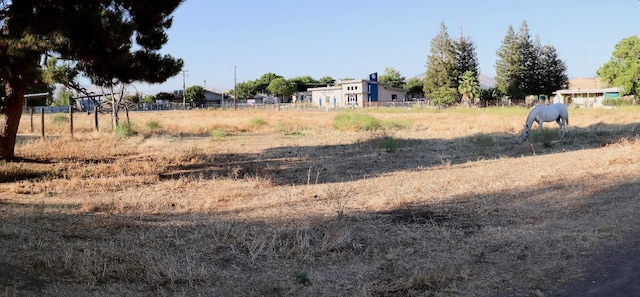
pixel 356 87
pixel 394 97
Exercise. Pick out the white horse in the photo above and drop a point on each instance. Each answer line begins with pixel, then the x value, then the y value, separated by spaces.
pixel 547 113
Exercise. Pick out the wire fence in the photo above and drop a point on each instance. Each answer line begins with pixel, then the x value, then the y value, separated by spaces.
pixel 263 106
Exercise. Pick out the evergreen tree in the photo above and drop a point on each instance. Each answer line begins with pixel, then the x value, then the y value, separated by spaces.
pixel 554 72
pixel 441 66
pixel 525 67
pixel 465 57
pixel 536 71
pixel 529 65
pixel 508 71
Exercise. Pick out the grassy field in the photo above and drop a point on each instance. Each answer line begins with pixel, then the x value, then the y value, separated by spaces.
pixel 372 202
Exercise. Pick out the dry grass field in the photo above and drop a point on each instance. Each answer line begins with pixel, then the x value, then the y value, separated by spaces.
pixel 372 202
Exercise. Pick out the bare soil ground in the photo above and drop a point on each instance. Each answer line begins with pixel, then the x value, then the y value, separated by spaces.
pixel 432 203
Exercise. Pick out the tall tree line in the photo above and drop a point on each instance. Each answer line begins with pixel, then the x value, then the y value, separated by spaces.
pixel 525 67
pixel 447 63
pixel 274 84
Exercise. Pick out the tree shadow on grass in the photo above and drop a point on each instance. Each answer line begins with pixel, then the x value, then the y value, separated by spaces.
pixel 380 154
pixel 500 242
pixel 374 156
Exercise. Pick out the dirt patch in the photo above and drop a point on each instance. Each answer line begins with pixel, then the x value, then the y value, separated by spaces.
pixel 615 272
pixel 12 276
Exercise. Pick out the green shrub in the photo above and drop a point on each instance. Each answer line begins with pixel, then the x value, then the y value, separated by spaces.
pixel 59 119
pixel 303 278
pixel 217 134
pixel 258 122
pixel 356 122
pixel 390 144
pixel 546 137
pixel 153 125
pixel 444 96
pixel 397 124
pixel 620 102
pixel 124 130
pixel 481 140
pixel 294 134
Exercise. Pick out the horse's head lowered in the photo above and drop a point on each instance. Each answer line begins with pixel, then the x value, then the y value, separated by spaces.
pixel 526 132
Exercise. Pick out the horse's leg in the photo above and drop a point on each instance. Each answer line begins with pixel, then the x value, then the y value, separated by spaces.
pixel 561 127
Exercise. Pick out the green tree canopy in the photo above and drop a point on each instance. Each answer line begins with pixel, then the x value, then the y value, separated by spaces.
pixel 444 96
pixel 525 67
pixel 508 72
pixel 469 87
pixel 165 96
pixel 194 94
pixel 441 66
pixel 302 83
pixel 623 69
pixel 263 82
pixel 466 58
pixel 529 66
pixel 280 86
pixel 62 97
pixel 246 89
pixel 110 42
pixel 554 72
pixel 415 87
pixel 326 80
pixel 392 77
pixel 149 99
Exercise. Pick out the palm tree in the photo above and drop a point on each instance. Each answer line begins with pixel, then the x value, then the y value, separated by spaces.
pixel 469 87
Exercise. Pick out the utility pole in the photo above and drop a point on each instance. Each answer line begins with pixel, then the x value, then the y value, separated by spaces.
pixel 235 91
pixel 184 97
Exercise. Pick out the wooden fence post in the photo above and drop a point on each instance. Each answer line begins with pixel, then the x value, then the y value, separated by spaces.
pixel 42 122
pixel 71 120
pixel 31 117
pixel 95 116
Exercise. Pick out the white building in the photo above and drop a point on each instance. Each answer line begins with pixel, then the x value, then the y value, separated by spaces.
pixel 356 93
pixel 586 97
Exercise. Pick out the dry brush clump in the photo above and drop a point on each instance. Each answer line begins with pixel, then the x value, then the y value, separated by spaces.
pixel 432 203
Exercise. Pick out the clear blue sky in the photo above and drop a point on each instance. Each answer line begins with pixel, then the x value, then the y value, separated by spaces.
pixel 346 38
